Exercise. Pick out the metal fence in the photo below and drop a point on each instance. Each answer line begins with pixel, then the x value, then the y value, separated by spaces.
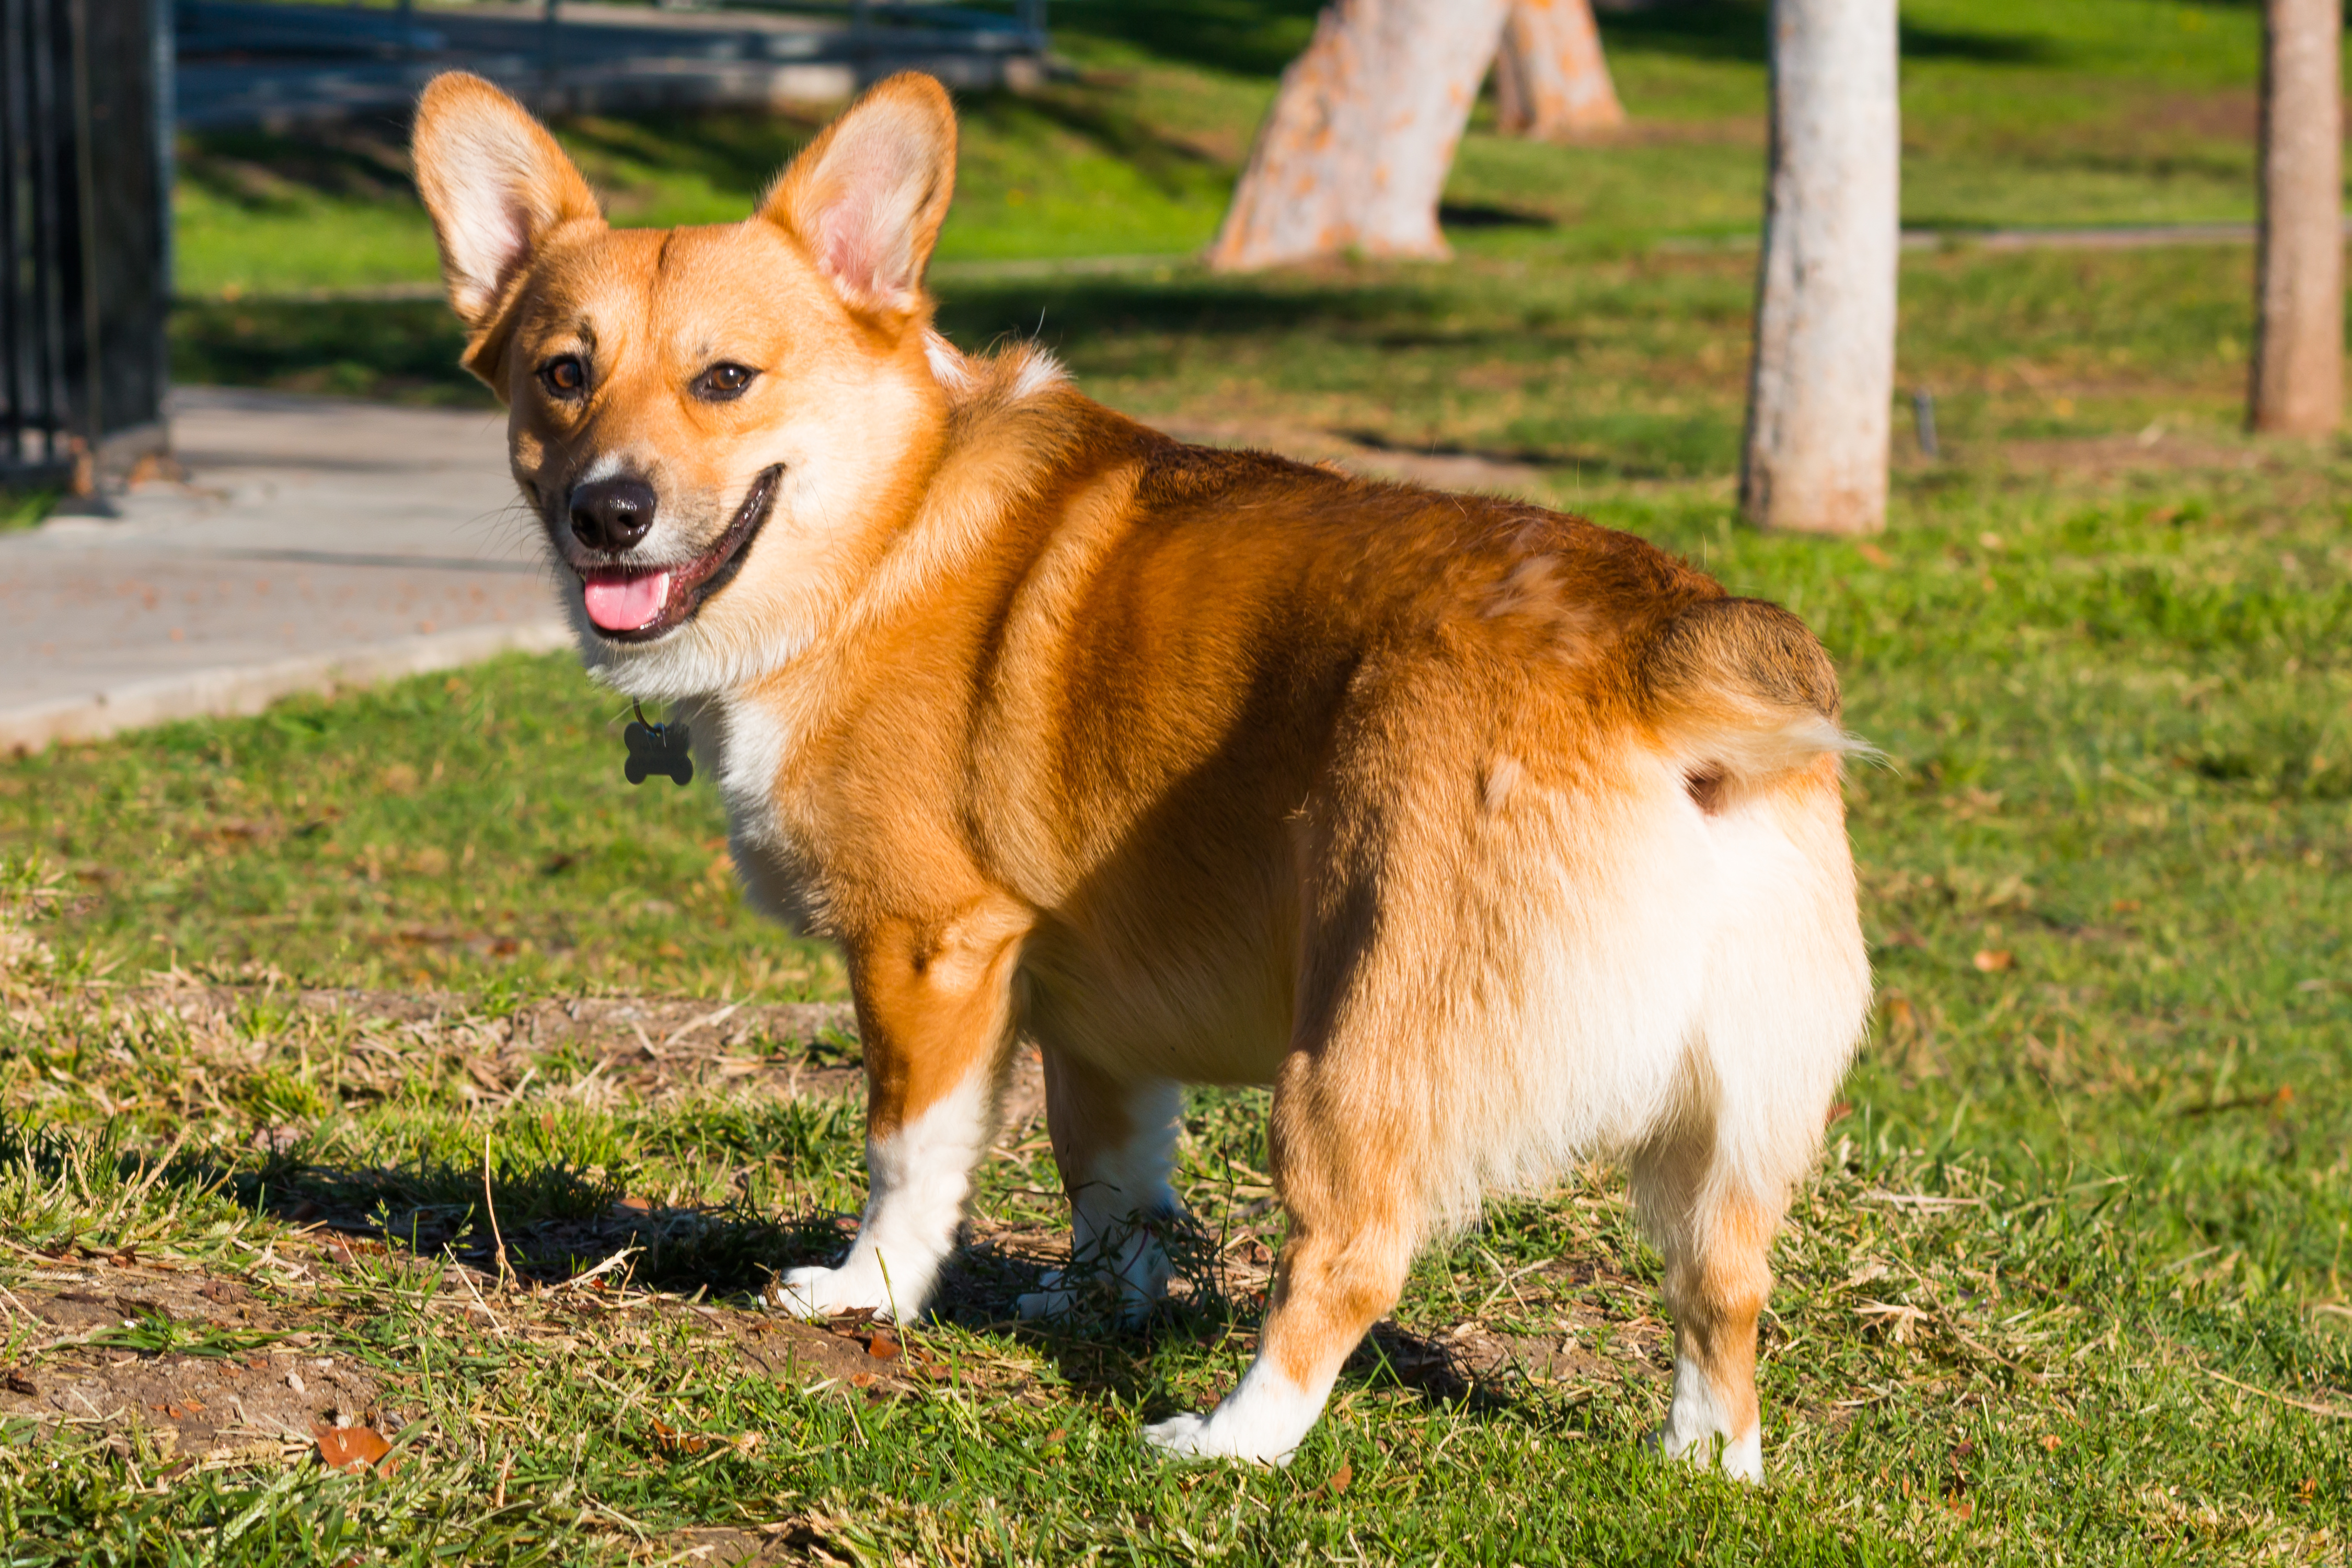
pixel 85 148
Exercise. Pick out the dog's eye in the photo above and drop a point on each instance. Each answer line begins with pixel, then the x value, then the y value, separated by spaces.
pixel 723 382
pixel 564 375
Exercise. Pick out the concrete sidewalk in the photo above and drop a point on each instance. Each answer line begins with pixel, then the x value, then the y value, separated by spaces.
pixel 314 543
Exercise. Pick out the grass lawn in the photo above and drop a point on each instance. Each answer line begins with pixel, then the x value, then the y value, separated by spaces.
pixel 389 1061
pixel 2069 1283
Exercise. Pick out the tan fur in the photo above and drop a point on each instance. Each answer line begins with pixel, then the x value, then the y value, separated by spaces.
pixel 1191 764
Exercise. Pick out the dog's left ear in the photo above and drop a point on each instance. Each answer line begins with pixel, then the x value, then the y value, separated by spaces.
pixel 867 197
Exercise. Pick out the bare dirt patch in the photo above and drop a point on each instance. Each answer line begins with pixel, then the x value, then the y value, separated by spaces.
pixel 649 1047
pixel 197 1368
pixel 203 1369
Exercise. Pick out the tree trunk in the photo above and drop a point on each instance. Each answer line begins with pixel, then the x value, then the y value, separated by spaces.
pixel 1355 152
pixel 1821 385
pixel 2298 374
pixel 1551 81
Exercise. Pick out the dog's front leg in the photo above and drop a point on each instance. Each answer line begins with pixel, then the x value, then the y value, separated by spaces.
pixel 933 1014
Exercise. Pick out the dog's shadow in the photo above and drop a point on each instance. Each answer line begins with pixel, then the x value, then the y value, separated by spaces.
pixel 1101 1356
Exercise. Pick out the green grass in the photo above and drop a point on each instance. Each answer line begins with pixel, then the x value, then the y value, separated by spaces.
pixel 320 837
pixel 2015 113
pixel 2102 877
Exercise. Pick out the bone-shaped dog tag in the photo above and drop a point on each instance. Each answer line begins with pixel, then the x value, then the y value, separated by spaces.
pixel 657 749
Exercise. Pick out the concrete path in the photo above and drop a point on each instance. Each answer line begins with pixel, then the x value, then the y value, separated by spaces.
pixel 314 543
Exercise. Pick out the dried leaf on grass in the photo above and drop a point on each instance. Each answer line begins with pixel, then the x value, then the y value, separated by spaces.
pixel 354 1449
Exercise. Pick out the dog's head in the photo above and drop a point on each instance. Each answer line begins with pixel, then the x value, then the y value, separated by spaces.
pixel 712 424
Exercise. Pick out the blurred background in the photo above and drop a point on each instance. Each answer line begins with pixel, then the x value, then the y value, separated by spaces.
pixel 1595 319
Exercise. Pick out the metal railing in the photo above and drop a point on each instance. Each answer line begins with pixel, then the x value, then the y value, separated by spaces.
pixel 84 189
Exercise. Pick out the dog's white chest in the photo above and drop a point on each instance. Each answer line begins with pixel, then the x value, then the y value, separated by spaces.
pixel 746 746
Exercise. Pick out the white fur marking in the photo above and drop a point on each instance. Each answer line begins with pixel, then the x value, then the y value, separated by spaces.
pixel 1697 1422
pixel 918 1180
pixel 1262 1421
pixel 1039 372
pixel 1113 1239
pixel 948 367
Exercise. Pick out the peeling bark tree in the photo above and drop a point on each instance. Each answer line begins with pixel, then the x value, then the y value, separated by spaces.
pixel 1354 153
pixel 1551 81
pixel 2298 372
pixel 1821 385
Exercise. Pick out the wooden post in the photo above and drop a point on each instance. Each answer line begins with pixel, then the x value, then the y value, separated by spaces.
pixel 1551 81
pixel 2297 386
pixel 1354 153
pixel 1822 383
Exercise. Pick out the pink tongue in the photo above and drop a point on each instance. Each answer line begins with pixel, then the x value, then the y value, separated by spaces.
pixel 624 604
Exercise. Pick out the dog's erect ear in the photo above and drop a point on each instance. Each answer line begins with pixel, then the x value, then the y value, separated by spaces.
pixel 497 186
pixel 868 196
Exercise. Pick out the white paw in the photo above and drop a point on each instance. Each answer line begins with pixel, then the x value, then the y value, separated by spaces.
pixel 1739 1459
pixel 1183 1437
pixel 1053 1301
pixel 1058 1300
pixel 1262 1421
pixel 1210 1436
pixel 829 1292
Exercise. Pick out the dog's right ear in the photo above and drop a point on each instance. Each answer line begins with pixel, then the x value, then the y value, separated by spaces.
pixel 497 186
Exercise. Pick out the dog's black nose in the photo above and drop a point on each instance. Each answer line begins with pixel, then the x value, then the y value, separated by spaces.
pixel 612 514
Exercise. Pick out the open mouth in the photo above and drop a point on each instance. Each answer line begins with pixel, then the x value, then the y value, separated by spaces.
pixel 638 605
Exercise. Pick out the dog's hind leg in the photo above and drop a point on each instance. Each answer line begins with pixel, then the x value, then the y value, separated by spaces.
pixel 1715 1233
pixel 934 1014
pixel 1788 983
pixel 1115 1144
pixel 1347 1168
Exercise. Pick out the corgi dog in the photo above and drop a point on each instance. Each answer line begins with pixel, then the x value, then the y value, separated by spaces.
pixel 1491 839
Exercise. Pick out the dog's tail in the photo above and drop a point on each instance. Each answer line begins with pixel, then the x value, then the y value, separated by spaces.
pixel 1739 692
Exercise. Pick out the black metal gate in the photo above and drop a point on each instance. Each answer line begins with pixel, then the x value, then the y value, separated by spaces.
pixel 85 149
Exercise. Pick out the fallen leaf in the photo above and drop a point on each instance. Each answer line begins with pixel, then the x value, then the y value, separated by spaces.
pixel 351 1449
pixel 2050 1441
pixel 1057 1434
pixel 861 1380
pixel 1992 961
pixel 1874 555
pixel 674 1441
pixel 1339 1478
pixel 882 1347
